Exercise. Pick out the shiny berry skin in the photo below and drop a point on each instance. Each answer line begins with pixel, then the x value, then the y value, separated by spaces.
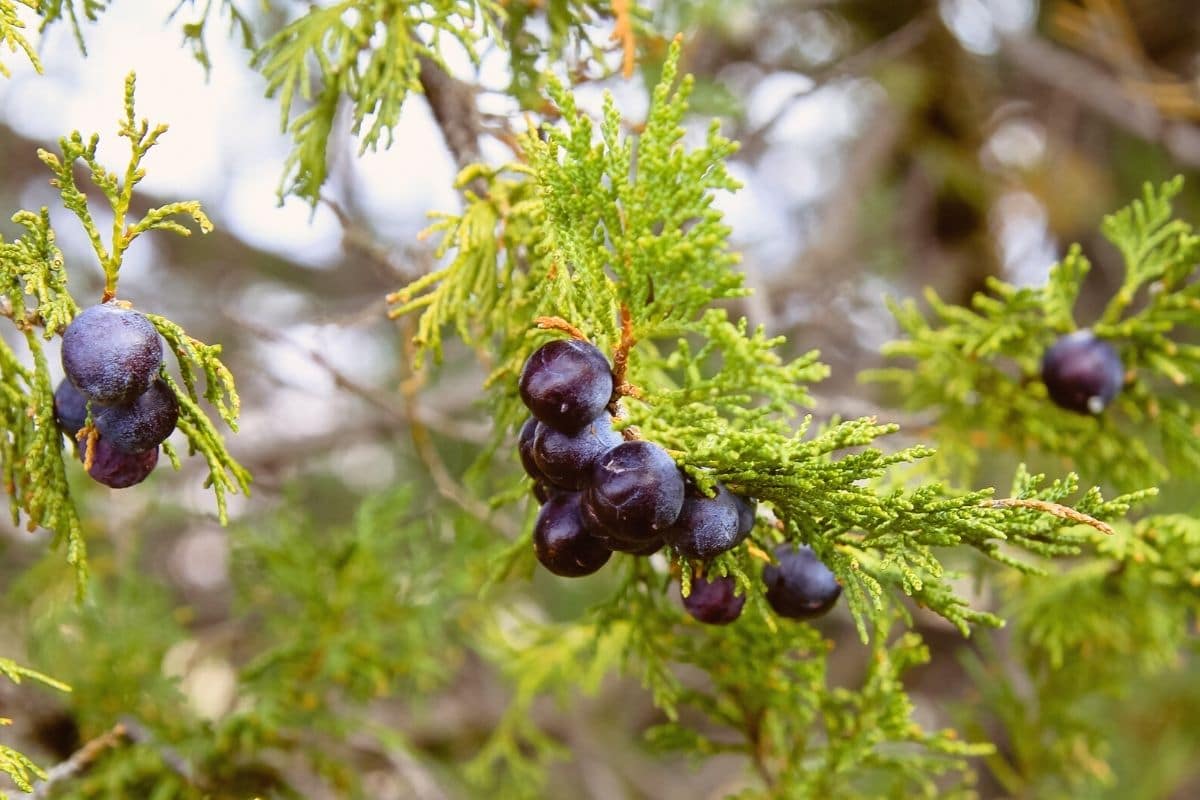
pixel 525 449
pixel 632 548
pixel 566 459
pixel 747 509
pixel 118 469
pixel 70 408
pixel 111 354
pixel 636 491
pixel 707 526
pixel 801 587
pixel 566 384
pixel 1082 373
pixel 143 424
pixel 562 544
pixel 543 491
pixel 714 602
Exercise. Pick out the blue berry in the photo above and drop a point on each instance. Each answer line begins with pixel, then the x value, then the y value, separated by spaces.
pixel 111 354
pixel 562 544
pixel 707 526
pixel 143 424
pixel 1082 373
pixel 566 459
pixel 118 469
pixel 70 409
pixel 714 602
pixel 800 587
pixel 747 510
pixel 566 384
pixel 525 449
pixel 636 491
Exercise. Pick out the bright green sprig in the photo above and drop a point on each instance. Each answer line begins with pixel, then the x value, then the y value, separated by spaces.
pixel 18 767
pixel 53 11
pixel 12 33
pixel 195 31
pixel 365 51
pixel 979 367
pixel 118 190
pixel 31 268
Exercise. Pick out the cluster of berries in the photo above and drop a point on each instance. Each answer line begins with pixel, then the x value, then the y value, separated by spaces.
pixel 601 493
pixel 112 356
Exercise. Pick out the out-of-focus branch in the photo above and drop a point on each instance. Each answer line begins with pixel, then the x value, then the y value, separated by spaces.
pixel 1103 95
pixel 453 104
pixel 127 731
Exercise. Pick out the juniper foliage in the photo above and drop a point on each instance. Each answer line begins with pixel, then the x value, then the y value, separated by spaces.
pixel 33 277
pixel 616 234
pixel 607 228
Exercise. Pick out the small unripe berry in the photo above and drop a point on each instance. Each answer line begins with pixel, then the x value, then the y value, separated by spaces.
pixel 1082 373
pixel 566 384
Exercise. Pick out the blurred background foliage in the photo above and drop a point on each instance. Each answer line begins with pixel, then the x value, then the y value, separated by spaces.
pixel 886 146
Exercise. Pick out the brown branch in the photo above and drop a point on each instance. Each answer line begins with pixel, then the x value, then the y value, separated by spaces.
pixel 82 759
pixel 623 33
pixel 453 105
pixel 1101 94
pixel 1064 512
pixel 560 324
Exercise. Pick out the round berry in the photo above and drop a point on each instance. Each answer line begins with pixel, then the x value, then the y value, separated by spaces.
pixel 800 587
pixel 747 510
pixel 714 602
pixel 647 548
pixel 562 544
pixel 707 526
pixel 525 449
pixel 144 423
pixel 636 490
pixel 111 354
pixel 1082 373
pixel 566 459
pixel 70 408
pixel 566 384
pixel 116 468
pixel 543 491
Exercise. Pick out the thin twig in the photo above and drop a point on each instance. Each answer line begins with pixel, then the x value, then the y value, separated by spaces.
pixel 1065 512
pixel 560 324
pixel 82 759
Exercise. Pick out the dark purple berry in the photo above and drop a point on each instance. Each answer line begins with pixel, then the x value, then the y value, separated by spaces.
pixel 566 384
pixel 111 354
pixel 118 469
pixel 543 491
pixel 801 587
pixel 1082 373
pixel 562 544
pixel 714 602
pixel 707 526
pixel 632 548
pixel 566 459
pixel 636 491
pixel 144 423
pixel 525 449
pixel 70 409
pixel 747 509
